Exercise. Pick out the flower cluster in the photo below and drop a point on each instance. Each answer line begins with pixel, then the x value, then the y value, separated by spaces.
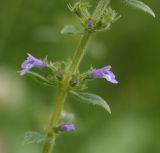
pixel 59 73
pixel 104 72
pixel 101 19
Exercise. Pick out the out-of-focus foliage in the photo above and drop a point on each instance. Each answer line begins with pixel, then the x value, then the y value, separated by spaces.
pixel 131 47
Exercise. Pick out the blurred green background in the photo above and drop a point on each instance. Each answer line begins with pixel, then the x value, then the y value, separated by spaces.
pixel 132 47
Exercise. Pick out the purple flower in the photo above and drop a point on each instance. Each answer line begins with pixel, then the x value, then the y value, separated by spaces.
pixel 67 127
pixel 90 24
pixel 105 73
pixel 30 63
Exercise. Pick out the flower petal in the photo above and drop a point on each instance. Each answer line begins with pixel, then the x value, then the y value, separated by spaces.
pixel 24 64
pixel 24 71
pixel 39 64
pixel 105 72
pixel 30 63
pixel 108 78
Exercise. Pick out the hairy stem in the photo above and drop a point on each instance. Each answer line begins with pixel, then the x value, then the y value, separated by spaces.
pixel 79 53
pixel 63 92
pixel 48 147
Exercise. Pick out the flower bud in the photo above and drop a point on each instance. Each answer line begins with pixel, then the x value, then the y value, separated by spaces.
pixel 59 76
pixel 90 24
pixel 74 81
pixel 67 128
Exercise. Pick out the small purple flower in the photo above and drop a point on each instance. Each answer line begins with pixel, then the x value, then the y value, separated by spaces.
pixel 30 63
pixel 105 73
pixel 90 24
pixel 67 127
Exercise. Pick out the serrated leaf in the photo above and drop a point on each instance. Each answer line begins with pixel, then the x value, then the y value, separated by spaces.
pixel 34 137
pixel 141 6
pixel 39 78
pixel 92 99
pixel 70 29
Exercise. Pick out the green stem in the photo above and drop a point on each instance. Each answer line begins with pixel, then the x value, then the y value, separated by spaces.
pixel 63 92
pixel 48 147
pixel 78 56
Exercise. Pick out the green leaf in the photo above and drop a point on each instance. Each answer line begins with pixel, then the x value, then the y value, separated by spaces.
pixel 39 78
pixel 70 29
pixel 141 6
pixel 34 137
pixel 92 99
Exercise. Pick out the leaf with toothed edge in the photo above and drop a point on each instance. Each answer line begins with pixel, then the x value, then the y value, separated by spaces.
pixel 92 99
pixel 141 6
